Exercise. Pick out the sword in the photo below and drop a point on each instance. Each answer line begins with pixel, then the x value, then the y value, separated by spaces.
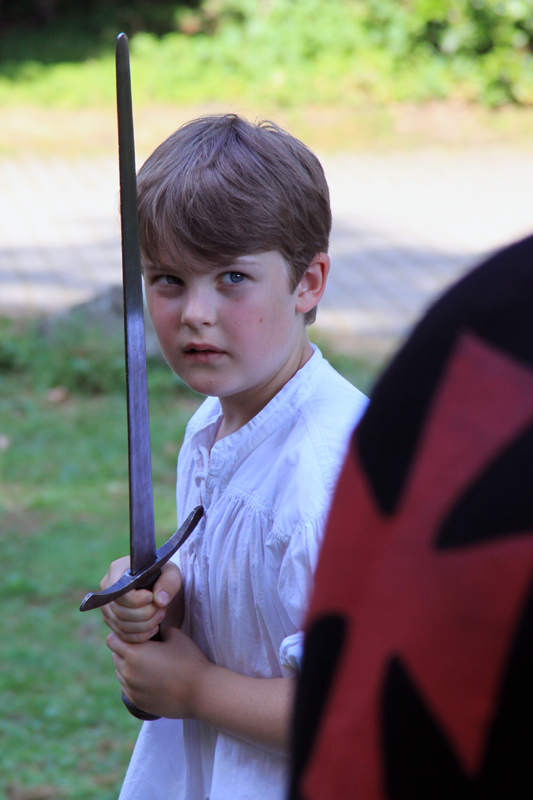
pixel 146 561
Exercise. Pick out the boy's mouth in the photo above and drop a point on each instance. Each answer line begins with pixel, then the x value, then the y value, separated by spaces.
pixel 201 348
pixel 202 352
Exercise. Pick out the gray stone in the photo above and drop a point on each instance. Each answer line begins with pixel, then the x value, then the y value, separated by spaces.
pixel 104 312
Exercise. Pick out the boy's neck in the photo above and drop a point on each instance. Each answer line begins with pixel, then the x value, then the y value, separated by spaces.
pixel 238 410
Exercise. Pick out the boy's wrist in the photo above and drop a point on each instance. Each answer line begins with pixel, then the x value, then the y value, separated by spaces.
pixel 201 691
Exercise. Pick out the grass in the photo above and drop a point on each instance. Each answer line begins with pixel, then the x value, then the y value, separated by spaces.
pixel 63 518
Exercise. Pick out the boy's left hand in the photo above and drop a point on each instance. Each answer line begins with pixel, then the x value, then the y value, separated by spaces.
pixel 136 615
pixel 160 677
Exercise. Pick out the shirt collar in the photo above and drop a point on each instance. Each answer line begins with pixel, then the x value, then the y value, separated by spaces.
pixel 283 405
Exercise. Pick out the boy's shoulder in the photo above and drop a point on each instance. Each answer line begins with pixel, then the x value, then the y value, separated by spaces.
pixel 295 467
pixel 334 400
pixel 316 435
pixel 297 470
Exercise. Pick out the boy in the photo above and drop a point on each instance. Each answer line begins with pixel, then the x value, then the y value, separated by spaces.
pixel 235 222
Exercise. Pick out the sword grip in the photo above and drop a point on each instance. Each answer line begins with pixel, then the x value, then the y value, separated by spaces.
pixel 138 713
pixel 144 580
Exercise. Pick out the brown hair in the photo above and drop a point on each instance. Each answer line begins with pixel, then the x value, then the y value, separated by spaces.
pixel 221 187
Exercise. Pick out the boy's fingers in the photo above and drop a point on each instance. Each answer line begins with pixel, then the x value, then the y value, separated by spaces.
pixel 135 598
pixel 123 685
pixel 167 585
pixel 131 613
pixel 115 571
pixel 137 625
pixel 116 645
pixel 136 638
pixel 124 689
pixel 132 629
pixel 133 632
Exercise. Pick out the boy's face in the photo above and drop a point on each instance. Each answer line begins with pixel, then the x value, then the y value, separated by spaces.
pixel 227 331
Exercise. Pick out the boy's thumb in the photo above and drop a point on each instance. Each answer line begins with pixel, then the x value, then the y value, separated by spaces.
pixel 162 598
pixel 167 585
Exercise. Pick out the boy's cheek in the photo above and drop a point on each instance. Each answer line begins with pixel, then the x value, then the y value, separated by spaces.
pixel 161 315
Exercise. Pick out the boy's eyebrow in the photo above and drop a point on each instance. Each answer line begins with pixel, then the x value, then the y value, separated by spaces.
pixel 238 261
pixel 179 268
pixel 150 264
pixel 244 260
pixel 159 267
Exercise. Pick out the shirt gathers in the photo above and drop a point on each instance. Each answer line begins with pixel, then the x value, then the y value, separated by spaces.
pixel 247 569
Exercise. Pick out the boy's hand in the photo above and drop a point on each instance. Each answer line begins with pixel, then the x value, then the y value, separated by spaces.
pixel 136 616
pixel 174 679
pixel 161 678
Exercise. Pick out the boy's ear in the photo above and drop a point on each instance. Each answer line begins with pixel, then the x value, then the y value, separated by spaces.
pixel 311 288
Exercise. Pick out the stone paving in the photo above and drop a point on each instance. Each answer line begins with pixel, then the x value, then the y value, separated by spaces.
pixel 406 225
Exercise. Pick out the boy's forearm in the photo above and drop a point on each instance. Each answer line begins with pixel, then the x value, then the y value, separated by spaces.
pixel 254 709
pixel 173 678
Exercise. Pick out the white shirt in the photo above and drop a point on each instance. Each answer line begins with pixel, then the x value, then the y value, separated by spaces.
pixel 266 491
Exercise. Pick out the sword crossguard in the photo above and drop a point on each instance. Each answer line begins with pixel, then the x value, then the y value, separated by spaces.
pixel 146 577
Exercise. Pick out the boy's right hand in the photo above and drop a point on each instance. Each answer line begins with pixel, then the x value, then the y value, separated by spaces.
pixel 136 616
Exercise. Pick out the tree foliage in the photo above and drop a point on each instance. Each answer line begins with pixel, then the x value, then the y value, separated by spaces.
pixel 134 15
pixel 292 51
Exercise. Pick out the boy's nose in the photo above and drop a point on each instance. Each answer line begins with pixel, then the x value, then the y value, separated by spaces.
pixel 197 309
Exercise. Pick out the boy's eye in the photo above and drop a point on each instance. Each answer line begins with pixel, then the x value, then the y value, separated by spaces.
pixel 169 280
pixel 234 277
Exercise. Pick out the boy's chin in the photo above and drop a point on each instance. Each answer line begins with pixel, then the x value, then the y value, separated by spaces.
pixel 204 387
pixel 210 389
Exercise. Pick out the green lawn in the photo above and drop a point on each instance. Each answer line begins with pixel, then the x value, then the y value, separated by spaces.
pixel 63 518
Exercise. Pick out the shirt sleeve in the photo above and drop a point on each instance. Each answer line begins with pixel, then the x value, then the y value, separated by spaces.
pixel 296 564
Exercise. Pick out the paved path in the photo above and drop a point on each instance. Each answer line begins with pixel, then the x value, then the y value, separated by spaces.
pixel 405 226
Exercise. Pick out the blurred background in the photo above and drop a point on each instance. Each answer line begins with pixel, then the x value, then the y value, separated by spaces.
pixel 421 112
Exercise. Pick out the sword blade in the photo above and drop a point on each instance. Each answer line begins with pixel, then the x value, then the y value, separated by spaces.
pixel 142 531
